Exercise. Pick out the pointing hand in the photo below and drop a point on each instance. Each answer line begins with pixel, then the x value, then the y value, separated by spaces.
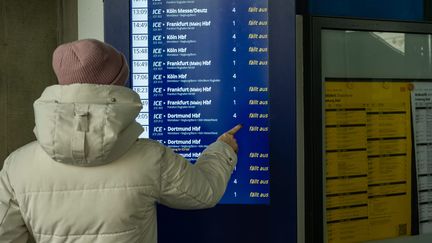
pixel 228 137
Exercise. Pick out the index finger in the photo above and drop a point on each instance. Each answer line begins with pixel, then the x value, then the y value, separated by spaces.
pixel 235 129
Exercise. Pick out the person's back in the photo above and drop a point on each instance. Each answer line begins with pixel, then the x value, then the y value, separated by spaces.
pixel 88 178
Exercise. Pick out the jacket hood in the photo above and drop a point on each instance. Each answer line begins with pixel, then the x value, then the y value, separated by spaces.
pixel 87 124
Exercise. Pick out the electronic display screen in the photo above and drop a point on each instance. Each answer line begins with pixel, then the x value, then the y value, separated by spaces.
pixel 200 68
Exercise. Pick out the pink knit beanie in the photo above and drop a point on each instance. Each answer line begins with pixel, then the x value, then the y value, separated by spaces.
pixel 89 61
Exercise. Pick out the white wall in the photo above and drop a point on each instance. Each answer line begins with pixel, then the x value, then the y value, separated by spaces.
pixel 90 19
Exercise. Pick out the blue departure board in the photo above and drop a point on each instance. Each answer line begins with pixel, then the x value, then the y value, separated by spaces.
pixel 201 67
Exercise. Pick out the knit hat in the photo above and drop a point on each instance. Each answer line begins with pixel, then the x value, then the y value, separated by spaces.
pixel 89 61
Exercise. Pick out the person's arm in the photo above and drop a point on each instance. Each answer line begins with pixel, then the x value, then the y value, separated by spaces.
pixel 12 226
pixel 202 185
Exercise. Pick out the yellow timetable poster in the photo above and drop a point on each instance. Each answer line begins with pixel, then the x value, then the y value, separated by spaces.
pixel 368 160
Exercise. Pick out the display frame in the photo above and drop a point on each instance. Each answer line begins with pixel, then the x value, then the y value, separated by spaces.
pixel 276 222
pixel 313 105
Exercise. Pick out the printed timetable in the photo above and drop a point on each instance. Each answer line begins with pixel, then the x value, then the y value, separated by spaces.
pixel 200 68
pixel 421 99
pixel 367 160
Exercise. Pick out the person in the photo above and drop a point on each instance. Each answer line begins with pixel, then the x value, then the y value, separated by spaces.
pixel 88 178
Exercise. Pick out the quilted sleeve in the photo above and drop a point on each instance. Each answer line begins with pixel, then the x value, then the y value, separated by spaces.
pixel 188 186
pixel 12 226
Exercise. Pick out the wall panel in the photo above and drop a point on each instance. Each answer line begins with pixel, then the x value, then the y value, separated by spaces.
pixel 28 37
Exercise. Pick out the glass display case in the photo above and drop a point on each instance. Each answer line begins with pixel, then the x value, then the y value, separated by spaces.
pixel 368 140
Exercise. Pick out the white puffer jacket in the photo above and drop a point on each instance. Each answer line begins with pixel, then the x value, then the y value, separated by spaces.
pixel 88 178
